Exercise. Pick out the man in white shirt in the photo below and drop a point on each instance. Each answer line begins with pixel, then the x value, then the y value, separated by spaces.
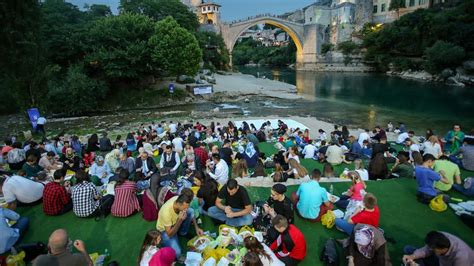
pixel 309 150
pixel 363 136
pixel 178 144
pixel 19 189
pixel 221 170
pixel 173 127
pixel 40 125
pixel 403 136
pixel 334 154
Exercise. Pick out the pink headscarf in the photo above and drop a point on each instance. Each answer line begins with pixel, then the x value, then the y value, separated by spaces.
pixel 164 257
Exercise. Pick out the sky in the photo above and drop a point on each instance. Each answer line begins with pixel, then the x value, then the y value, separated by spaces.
pixel 231 9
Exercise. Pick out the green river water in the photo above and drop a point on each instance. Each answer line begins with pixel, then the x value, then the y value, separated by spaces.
pixel 366 100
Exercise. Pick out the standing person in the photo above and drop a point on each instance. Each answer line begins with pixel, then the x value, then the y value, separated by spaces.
pixel 367 246
pixel 311 200
pixel 238 206
pixel 454 139
pixel 104 143
pixel 60 251
pixel 441 249
pixel 56 197
pixel 9 235
pixel 175 218
pixel 425 177
pixel 368 214
pixel 290 245
pixel 451 172
pixel 126 201
pixel 40 125
pixel 149 247
pixel 218 169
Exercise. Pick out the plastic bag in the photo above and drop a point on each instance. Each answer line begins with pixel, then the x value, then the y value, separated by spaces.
pixel 328 219
pixel 437 204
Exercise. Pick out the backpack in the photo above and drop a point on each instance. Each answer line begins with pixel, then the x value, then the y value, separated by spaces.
pixel 329 255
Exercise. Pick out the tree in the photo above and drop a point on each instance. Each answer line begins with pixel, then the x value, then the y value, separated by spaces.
pixel 99 10
pixel 117 48
pixel 175 49
pixel 160 9
pixel 396 5
pixel 442 55
pixel 214 50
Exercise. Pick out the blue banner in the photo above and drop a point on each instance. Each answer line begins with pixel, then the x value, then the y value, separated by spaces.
pixel 34 114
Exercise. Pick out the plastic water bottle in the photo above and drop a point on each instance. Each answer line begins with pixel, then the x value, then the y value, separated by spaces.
pixel 331 189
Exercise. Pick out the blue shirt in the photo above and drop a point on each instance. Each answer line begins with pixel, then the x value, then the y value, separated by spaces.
pixel 425 177
pixel 356 148
pixel 8 235
pixel 311 196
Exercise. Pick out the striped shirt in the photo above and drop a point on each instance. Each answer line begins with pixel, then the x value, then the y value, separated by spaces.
pixel 126 201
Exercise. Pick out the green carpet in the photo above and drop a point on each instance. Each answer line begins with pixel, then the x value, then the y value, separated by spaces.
pixel 402 218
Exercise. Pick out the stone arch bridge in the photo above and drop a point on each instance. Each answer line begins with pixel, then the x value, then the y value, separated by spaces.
pixel 305 37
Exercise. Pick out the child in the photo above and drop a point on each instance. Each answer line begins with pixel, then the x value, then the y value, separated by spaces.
pixel 149 247
pixel 354 195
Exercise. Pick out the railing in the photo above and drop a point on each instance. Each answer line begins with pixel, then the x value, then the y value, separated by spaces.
pixel 258 16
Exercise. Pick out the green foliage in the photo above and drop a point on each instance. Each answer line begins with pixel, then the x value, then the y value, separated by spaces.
pixel 414 33
pixel 174 49
pixel 165 93
pixel 404 64
pixel 76 93
pixel 99 10
pixel 160 9
pixel 214 51
pixel 117 48
pixel 348 47
pixel 249 50
pixel 326 47
pixel 396 5
pixel 442 55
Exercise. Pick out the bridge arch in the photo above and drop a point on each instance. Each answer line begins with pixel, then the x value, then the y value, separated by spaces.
pixel 232 32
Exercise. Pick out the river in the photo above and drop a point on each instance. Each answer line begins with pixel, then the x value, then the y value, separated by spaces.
pixel 366 100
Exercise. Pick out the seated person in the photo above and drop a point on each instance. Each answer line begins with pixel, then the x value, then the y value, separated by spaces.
pixel 16 157
pixel 191 162
pixel 251 155
pixel 240 169
pixel 169 161
pixel 175 218
pixel 218 169
pixel 126 201
pixel 355 150
pixel 145 165
pixel 378 168
pixel 263 252
pixel 100 172
pixel 207 193
pixel 113 159
pixel 451 172
pixel 328 170
pixel 290 245
pixel 311 200
pixel 309 150
pixel 366 150
pixel 9 235
pixel 467 188
pixel 402 168
pixel 334 154
pixel 276 204
pixel 127 163
pixel 296 170
pixel 454 139
pixel 71 161
pixel 60 251
pixel 31 167
pixel 57 197
pixel 425 177
pixel 48 162
pixel 86 200
pixel 367 246
pixel 467 153
pixel 369 214
pixel 237 210
pixel 19 190
pixel 104 143
pixel 441 249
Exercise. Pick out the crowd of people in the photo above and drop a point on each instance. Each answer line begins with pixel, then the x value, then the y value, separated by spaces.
pixel 198 170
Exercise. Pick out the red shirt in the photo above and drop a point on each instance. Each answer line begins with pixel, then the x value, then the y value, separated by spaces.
pixel 125 201
pixel 202 154
pixel 367 217
pixel 55 198
pixel 299 244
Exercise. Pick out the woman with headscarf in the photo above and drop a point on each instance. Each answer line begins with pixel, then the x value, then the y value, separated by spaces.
pixel 100 172
pixel 70 160
pixel 250 155
pixel 113 159
pixel 276 204
pixel 367 246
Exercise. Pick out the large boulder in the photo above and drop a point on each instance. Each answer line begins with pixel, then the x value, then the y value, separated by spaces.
pixel 468 65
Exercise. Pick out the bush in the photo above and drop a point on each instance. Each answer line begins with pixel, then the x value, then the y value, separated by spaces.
pixel 404 64
pixel 326 47
pixel 443 55
pixel 177 93
pixel 76 94
pixel 348 47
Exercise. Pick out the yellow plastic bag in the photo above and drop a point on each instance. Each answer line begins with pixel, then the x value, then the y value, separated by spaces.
pixel 156 153
pixel 328 219
pixel 224 230
pixel 216 253
pixel 437 204
pixel 199 243
pixel 16 260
